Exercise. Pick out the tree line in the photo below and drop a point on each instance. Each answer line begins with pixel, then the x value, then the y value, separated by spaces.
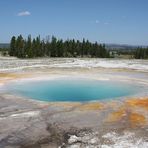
pixel 141 53
pixel 53 47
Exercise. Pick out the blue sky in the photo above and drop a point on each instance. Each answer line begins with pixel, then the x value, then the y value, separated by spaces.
pixel 105 21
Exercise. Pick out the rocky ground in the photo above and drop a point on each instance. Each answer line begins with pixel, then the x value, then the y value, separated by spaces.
pixel 14 64
pixel 26 123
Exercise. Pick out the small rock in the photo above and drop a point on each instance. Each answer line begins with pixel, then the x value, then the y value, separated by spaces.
pixel 94 140
pixel 73 139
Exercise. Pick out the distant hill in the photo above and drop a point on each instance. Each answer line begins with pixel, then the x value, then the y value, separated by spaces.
pixel 4 45
pixel 122 47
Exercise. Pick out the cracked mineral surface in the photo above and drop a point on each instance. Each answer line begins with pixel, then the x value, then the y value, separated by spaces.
pixel 117 123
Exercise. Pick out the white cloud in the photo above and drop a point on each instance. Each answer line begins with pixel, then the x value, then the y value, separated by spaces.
pixel 100 22
pixel 24 13
pixel 97 21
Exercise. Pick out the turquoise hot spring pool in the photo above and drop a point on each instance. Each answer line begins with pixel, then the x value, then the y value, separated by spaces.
pixel 73 89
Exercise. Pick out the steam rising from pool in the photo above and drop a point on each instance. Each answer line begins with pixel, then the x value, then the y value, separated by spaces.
pixel 73 89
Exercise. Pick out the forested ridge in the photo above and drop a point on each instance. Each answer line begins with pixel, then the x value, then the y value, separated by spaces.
pixel 141 53
pixel 53 47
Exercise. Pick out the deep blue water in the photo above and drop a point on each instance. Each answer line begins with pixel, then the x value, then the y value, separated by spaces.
pixel 73 90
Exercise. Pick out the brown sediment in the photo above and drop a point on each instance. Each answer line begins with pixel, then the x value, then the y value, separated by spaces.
pixel 117 115
pixel 112 104
pixel 143 102
pixel 5 74
pixel 79 106
pixel 66 104
pixel 91 106
pixel 6 77
pixel 128 116
pixel 136 119
pixel 14 75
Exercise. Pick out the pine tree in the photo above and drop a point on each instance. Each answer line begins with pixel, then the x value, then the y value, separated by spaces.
pixel 12 50
pixel 29 52
pixel 53 47
pixel 20 47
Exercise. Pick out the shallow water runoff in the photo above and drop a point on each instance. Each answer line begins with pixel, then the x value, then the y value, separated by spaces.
pixel 81 90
